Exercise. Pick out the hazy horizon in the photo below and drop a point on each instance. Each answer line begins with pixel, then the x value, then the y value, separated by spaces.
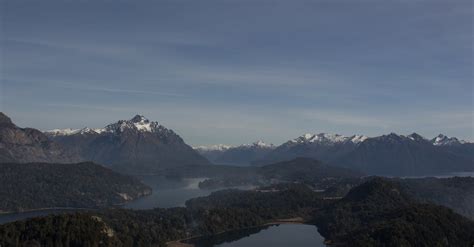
pixel 233 72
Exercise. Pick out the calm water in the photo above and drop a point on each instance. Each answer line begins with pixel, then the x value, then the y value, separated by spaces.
pixel 295 235
pixel 166 193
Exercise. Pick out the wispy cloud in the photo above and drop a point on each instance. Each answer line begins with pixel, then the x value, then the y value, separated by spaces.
pixel 120 90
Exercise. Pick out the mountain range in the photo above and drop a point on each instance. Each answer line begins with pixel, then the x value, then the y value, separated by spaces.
pixel 390 154
pixel 139 145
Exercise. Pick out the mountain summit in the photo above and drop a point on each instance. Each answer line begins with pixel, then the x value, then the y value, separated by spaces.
pixel 134 146
pixel 442 140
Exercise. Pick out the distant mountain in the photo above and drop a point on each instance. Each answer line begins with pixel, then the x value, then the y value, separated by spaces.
pixel 325 147
pixel 442 140
pixel 212 152
pixel 383 155
pixel 403 155
pixel 236 155
pixel 454 146
pixel 46 185
pixel 134 146
pixel 30 145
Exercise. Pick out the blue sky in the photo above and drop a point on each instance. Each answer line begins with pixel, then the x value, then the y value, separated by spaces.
pixel 233 71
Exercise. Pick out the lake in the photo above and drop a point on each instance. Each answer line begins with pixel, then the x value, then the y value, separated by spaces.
pixel 284 235
pixel 166 193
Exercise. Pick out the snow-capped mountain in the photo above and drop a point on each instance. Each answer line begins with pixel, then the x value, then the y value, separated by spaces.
pixel 235 155
pixel 329 139
pixel 442 140
pixel 135 145
pixel 383 155
pixel 395 154
pixel 217 147
pixel 138 123
pixel 322 146
pixel 68 132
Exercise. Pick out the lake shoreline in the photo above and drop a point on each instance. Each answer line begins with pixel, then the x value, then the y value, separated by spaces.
pixel 289 221
pixel 4 213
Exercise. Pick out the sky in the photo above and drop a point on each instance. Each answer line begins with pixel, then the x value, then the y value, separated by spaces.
pixel 235 71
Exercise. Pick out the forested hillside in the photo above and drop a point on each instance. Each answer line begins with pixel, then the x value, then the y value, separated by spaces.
pixel 83 185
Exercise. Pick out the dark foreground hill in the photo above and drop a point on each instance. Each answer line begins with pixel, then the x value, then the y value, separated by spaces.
pixel 83 185
pixel 378 213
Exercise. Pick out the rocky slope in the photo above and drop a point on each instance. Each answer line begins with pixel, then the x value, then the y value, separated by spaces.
pixel 30 145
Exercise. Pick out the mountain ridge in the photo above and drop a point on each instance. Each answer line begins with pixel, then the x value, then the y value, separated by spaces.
pixel 25 145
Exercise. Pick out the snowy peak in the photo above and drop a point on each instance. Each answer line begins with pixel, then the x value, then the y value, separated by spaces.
pixel 69 131
pixel 442 140
pixel 260 144
pixel 320 138
pixel 218 147
pixel 137 123
pixel 223 147
pixel 358 138
pixel 325 138
pixel 139 119
pixel 61 132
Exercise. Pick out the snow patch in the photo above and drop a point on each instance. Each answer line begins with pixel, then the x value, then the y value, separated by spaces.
pixel 326 138
pixel 442 140
pixel 218 147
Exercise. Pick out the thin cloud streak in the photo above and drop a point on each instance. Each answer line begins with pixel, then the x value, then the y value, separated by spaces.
pixel 128 91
